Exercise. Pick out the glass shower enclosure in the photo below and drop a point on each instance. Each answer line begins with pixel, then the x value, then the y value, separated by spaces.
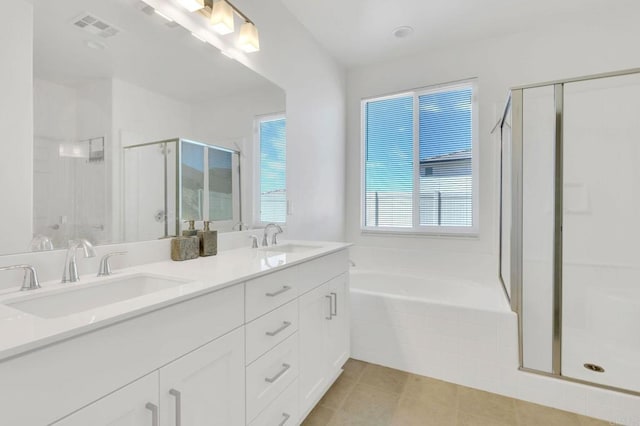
pixel 171 181
pixel 569 227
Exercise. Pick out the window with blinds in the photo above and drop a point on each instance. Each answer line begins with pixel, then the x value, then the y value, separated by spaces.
pixel 418 167
pixel 273 165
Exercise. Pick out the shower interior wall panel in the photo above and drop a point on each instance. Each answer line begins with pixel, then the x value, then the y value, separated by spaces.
pixel 601 300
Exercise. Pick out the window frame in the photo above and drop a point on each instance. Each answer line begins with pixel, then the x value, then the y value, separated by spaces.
pixel 416 228
pixel 257 220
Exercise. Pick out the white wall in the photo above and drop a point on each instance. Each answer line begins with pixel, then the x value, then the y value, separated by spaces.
pixel 576 48
pixel 229 122
pixel 16 125
pixel 140 116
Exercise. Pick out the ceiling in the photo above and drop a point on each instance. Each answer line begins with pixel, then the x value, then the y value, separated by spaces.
pixel 359 32
pixel 147 52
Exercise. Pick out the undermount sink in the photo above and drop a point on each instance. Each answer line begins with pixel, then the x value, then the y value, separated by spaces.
pixel 83 297
pixel 290 248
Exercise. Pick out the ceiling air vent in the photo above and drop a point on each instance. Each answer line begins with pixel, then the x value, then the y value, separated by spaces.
pixel 96 26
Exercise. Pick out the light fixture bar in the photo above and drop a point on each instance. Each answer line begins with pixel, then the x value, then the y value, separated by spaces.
pixel 239 12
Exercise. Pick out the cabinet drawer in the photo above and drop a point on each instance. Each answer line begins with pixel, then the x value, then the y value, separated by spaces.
pixel 281 412
pixel 267 331
pixel 266 293
pixel 270 374
pixel 318 271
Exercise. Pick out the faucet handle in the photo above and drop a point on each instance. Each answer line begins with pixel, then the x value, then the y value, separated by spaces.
pixel 105 266
pixel 274 236
pixel 30 281
pixel 254 241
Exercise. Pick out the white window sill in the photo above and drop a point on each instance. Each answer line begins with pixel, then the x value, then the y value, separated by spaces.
pixel 399 232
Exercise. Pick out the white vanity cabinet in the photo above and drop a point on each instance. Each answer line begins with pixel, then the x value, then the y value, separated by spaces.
pixel 258 352
pixel 135 404
pixel 303 308
pixel 206 386
pixel 339 336
pixel 315 314
pixel 324 338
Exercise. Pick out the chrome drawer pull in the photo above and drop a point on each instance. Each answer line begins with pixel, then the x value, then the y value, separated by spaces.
pixel 330 317
pixel 154 413
pixel 285 324
pixel 335 304
pixel 285 367
pixel 178 397
pixel 279 292
pixel 286 418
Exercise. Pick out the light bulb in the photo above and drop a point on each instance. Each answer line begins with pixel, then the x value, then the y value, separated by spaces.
pixel 222 17
pixel 249 40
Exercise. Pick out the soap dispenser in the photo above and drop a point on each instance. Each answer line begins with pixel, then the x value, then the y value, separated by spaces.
pixel 187 246
pixel 191 232
pixel 208 240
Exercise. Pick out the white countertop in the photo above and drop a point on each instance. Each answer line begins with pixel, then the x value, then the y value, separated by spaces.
pixel 21 332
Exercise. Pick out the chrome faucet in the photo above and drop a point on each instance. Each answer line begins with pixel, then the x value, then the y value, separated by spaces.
pixel 239 226
pixel 254 241
pixel 274 239
pixel 105 266
pixel 30 281
pixel 70 272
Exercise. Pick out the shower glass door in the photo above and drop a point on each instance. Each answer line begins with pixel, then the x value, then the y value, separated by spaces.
pixel 601 231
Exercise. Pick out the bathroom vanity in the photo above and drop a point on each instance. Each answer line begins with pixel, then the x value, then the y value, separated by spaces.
pixel 248 337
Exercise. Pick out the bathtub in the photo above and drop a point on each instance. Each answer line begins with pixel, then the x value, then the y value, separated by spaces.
pixel 451 329
pixel 462 332
pixel 445 291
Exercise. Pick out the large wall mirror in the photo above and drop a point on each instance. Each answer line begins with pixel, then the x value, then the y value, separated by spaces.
pixel 137 126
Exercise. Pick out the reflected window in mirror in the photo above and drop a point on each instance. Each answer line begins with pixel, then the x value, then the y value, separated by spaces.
pixel 272 144
pixel 192 181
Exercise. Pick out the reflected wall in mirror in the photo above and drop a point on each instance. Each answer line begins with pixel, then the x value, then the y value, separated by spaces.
pixel 111 76
pixel 169 182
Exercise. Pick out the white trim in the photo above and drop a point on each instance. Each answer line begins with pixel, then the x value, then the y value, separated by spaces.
pixel 417 229
pixel 255 220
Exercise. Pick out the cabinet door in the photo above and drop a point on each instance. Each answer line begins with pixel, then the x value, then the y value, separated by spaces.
pixel 313 333
pixel 206 386
pixel 133 405
pixel 339 345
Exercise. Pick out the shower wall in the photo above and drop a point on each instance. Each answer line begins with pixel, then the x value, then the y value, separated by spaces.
pixel 601 230
pixel 64 118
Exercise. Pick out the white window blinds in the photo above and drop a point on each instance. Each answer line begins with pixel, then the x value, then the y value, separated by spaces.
pixel 418 164
pixel 389 162
pixel 273 165
pixel 445 138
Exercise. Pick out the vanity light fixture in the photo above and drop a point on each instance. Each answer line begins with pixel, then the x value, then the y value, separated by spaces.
pixel 192 5
pixel 248 40
pixel 222 17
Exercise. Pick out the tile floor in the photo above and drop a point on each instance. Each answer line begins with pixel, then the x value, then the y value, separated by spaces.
pixel 371 395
